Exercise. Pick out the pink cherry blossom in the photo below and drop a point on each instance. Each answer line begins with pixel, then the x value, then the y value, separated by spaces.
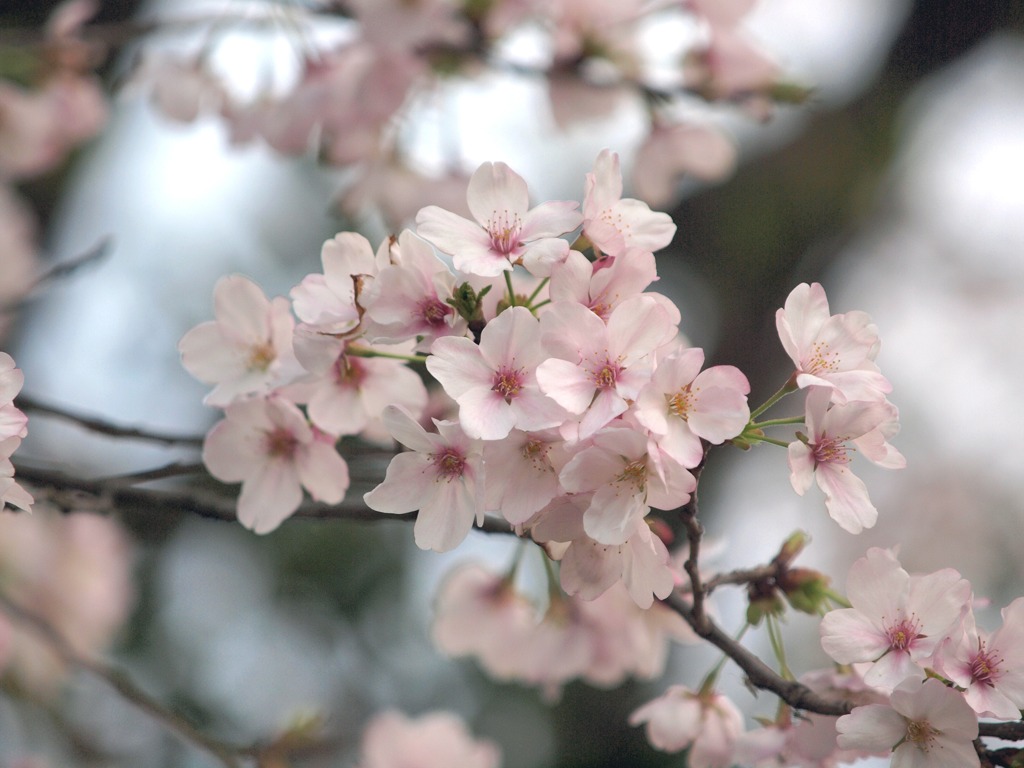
pixel 528 480
pixel 494 382
pixel 432 740
pixel 480 613
pixel 613 224
pixel 595 369
pixel 506 231
pixel 349 396
pixel 74 571
pixel 13 422
pixel 990 667
pixel 10 492
pixel 674 151
pixel 268 446
pixel 896 620
pixel 442 477
pixel 682 405
pixel 835 432
pixel 589 568
pixel 409 297
pixel 626 480
pixel 603 289
pixel 181 87
pixel 927 725
pixel 707 723
pixel 247 349
pixel 835 351
pixel 328 302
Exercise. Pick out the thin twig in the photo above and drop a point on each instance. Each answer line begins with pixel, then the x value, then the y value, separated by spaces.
pixel 226 754
pixel 102 427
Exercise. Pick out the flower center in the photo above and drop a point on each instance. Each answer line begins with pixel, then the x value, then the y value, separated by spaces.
pixel 634 474
pixel 902 634
pixel 508 382
pixel 504 229
pixel 349 372
pixel 605 374
pixel 984 668
pixel 921 734
pixel 280 443
pixel 832 450
pixel 433 312
pixel 681 403
pixel 822 360
pixel 261 356
pixel 449 463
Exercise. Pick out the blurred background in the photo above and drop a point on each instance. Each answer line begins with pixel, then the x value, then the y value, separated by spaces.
pixel 896 185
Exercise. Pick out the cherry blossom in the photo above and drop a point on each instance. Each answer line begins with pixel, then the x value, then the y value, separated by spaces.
pixel 603 289
pixel 442 477
pixel 10 492
pixel 989 667
pixel 626 480
pixel 613 224
pixel 927 725
pixel 432 740
pixel 677 150
pixel 480 613
pixel 596 369
pixel 13 423
pixel 682 405
pixel 589 568
pixel 896 620
pixel 327 302
pixel 823 456
pixel 707 723
pixel 409 298
pixel 835 351
pixel 74 571
pixel 268 446
pixel 349 396
pixel 528 480
pixel 494 382
pixel 247 350
pixel 506 230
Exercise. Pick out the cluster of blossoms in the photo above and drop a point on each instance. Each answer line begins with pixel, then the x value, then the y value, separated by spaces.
pixel 918 670
pixel 55 108
pixel 577 408
pixel 572 409
pixel 596 62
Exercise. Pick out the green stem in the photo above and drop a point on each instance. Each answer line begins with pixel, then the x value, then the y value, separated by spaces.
pixel 772 440
pixel 536 291
pixel 511 291
pixel 785 389
pixel 776 422
pixel 775 637
pixel 708 683
pixel 364 352
pixel 838 599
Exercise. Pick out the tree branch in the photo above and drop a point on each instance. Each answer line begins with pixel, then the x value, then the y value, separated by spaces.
pixel 102 427
pixel 226 754
pixel 69 493
pixel 760 675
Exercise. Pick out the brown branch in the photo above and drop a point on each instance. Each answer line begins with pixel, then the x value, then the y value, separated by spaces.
pixel 760 675
pixel 69 493
pixel 102 427
pixel 694 535
pixel 226 754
